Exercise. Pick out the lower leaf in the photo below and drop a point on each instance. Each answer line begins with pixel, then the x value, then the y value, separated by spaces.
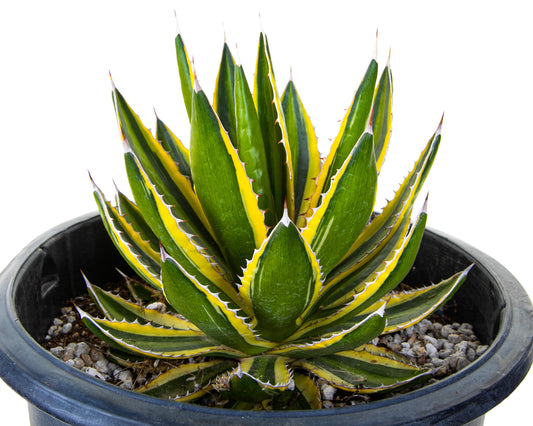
pixel 187 381
pixel 367 369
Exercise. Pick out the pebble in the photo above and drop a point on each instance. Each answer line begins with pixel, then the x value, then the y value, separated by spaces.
pixel 446 331
pixel 94 372
pixel 445 353
pixel 53 331
pixel 68 353
pixel 96 355
pixel 71 319
pixel 432 340
pixel 58 351
pixel 471 355
pixel 461 347
pixel 87 360
pixel 328 392
pixel 461 363
pixel 454 338
pixel 126 379
pixel 431 350
pixel 82 348
pixel 102 365
pixel 481 349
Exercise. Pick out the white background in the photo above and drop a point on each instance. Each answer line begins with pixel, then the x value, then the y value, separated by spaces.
pixel 471 60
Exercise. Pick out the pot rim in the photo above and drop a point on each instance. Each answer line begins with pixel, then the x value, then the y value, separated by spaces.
pixel 501 367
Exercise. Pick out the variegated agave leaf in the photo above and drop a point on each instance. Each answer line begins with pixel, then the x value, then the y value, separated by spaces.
pixel 268 268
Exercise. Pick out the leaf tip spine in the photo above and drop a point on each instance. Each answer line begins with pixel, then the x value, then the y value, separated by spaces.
pixel 376 47
pixel 92 180
pixel 112 82
pixel 467 270
pixel 196 85
pixel 238 62
pixel 425 205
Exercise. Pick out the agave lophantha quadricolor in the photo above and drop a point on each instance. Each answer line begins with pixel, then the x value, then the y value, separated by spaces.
pixel 265 265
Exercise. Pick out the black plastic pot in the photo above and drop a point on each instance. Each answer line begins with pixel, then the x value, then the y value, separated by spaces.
pixel 45 274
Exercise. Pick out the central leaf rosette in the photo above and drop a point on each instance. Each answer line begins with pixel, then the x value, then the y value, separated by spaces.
pixel 257 260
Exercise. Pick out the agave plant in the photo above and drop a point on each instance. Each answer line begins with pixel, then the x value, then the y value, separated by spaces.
pixel 264 268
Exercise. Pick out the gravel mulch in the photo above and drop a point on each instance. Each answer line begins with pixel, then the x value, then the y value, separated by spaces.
pixel 443 347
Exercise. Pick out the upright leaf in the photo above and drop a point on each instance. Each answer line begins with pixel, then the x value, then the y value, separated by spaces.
pixel 160 168
pixel 175 148
pixel 382 116
pixel 220 320
pixel 223 188
pixel 264 99
pixel 281 282
pixel 407 248
pixel 304 152
pixel 224 100
pixel 335 225
pixel 185 72
pixel 129 241
pixel 251 148
pixel 175 233
pixel 376 235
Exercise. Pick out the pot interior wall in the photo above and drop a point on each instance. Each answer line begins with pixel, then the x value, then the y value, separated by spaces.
pixel 53 273
pixel 477 302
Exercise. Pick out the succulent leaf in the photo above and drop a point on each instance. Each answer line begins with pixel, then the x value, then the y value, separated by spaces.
pixel 175 232
pixel 115 308
pixel 406 308
pixel 304 152
pixel 381 116
pixel 376 235
pixel 335 225
pixel 159 166
pixel 370 279
pixel 185 73
pixel 251 148
pixel 224 98
pixel 365 370
pixel 265 102
pixel 407 248
pixel 268 370
pixel 341 340
pixel 158 342
pixel 175 148
pixel 129 241
pixel 223 188
pixel 212 313
pixel 133 215
pixel 281 282
pixel 187 381
pixel 308 390
pixel 360 292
